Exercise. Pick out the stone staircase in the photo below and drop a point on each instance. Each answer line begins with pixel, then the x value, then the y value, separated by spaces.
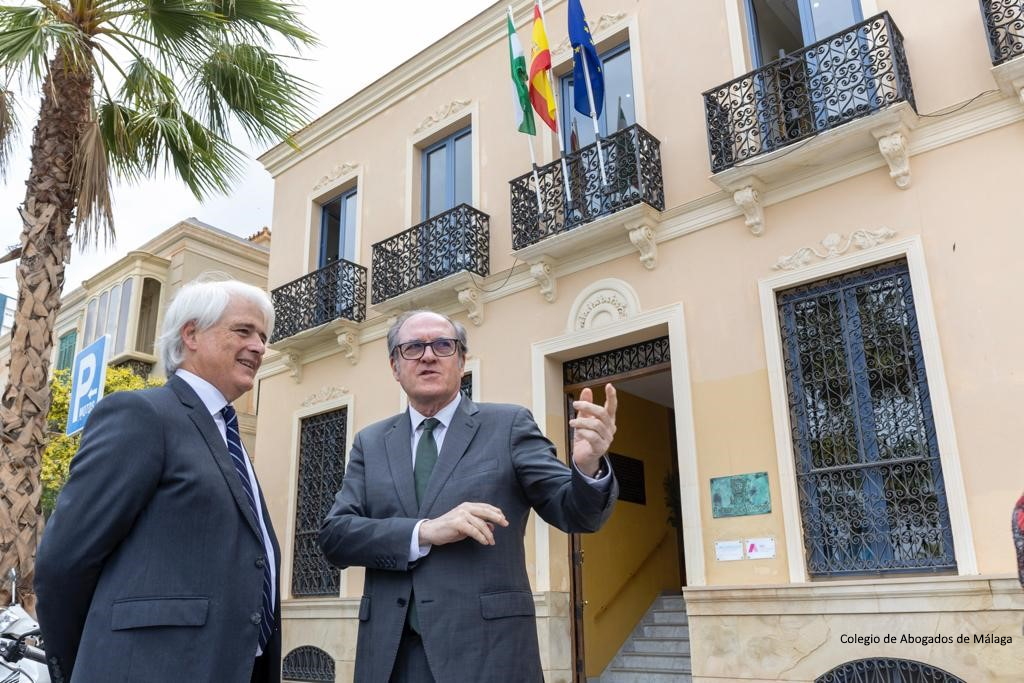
pixel 658 650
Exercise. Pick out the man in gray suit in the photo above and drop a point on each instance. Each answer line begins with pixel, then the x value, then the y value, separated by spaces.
pixel 159 563
pixel 446 596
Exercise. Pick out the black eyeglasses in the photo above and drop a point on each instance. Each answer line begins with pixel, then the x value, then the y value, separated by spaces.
pixel 442 348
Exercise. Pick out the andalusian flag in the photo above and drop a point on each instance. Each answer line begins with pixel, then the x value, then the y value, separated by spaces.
pixel 540 62
pixel 520 85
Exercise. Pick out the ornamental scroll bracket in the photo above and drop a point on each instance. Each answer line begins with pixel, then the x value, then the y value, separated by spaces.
pixel 293 361
pixel 642 234
pixel 472 300
pixel 543 271
pixel 748 198
pixel 348 341
pixel 894 147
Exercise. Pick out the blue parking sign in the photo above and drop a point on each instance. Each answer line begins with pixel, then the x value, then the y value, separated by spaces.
pixel 87 379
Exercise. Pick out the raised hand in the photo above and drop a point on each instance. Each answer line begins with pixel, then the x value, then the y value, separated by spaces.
pixel 593 429
pixel 466 520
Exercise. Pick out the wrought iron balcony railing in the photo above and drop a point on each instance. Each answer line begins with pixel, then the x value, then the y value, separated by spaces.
pixel 851 74
pixel 1004 25
pixel 450 242
pixel 632 160
pixel 336 291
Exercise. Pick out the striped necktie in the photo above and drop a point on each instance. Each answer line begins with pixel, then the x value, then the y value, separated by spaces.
pixel 238 460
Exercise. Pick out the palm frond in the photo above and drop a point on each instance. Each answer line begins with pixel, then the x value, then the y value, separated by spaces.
pixel 144 82
pixel 94 217
pixel 251 84
pixel 259 21
pixel 9 128
pixel 176 28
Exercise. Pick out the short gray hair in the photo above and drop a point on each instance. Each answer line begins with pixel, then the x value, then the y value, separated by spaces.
pixel 203 301
pixel 396 327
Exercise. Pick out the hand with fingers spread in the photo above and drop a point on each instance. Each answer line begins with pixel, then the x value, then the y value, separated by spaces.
pixel 468 520
pixel 594 428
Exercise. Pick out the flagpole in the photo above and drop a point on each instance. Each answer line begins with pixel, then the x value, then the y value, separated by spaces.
pixel 558 132
pixel 593 116
pixel 533 158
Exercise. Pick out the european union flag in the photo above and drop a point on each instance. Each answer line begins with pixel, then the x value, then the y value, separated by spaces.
pixel 583 50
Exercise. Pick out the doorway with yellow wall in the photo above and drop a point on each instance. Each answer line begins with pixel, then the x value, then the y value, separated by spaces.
pixel 618 572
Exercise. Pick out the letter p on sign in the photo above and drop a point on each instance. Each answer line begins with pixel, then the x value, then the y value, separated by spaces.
pixel 87 379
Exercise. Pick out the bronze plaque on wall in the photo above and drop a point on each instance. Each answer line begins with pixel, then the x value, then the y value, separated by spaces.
pixel 740 494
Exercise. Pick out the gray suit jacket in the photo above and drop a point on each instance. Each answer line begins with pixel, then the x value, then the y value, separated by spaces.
pixel 151 567
pixel 474 602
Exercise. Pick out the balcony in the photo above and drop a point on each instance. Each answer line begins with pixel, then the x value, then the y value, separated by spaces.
pixel 552 218
pixel 326 304
pixel 1004 27
pixel 826 104
pixel 430 263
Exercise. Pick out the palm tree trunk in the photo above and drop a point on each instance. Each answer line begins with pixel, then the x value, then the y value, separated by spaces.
pixel 45 248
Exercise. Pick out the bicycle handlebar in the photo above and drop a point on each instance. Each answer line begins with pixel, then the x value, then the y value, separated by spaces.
pixel 12 650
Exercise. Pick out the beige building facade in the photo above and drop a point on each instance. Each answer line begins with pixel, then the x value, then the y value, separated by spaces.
pixel 789 251
pixel 127 299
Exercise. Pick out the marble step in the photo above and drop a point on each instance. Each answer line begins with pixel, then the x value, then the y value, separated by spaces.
pixel 659 661
pixel 657 644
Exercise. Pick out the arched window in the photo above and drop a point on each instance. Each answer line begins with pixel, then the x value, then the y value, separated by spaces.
pixel 308 663
pixel 887 670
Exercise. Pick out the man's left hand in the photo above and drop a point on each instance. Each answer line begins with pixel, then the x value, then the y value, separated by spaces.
pixel 594 428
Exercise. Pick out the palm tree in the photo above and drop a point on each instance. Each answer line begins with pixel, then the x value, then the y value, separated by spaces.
pixel 129 88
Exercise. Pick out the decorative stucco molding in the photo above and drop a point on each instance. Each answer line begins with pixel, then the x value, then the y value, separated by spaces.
pixel 641 234
pixel 749 200
pixel 472 300
pixel 541 270
pixel 324 395
pixel 834 245
pixel 603 23
pixel 603 302
pixel 894 149
pixel 335 173
pixel 293 361
pixel 348 340
pixel 441 114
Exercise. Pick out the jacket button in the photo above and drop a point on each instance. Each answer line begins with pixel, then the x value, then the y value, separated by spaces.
pixel 256 618
pixel 261 563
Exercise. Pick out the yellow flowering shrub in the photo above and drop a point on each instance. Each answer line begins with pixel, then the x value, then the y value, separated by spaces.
pixel 61 447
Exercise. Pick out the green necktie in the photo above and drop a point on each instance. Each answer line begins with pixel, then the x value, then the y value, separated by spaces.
pixel 426 457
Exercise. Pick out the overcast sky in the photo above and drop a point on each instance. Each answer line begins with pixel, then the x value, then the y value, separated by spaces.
pixel 361 41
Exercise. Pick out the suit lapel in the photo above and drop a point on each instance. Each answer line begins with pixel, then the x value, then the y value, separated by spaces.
pixel 398 445
pixel 456 441
pixel 203 421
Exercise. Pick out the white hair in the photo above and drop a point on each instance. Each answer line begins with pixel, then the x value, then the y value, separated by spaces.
pixel 203 302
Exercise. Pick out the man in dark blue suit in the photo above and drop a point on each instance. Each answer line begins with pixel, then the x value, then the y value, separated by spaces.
pixel 159 563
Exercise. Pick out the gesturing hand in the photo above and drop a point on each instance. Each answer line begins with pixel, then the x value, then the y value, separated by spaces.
pixel 467 520
pixel 594 428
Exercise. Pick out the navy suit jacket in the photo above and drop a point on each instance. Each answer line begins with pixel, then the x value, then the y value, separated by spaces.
pixel 474 602
pixel 151 566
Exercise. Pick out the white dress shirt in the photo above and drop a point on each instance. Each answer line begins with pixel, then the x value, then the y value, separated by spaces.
pixel 214 402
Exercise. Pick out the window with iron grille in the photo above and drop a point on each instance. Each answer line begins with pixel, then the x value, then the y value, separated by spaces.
pixel 872 498
pixel 466 387
pixel 887 670
pixel 308 664
pixel 66 350
pixel 321 470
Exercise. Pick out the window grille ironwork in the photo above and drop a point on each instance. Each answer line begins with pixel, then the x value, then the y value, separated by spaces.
pixel 450 242
pixel 335 292
pixel 321 471
pixel 887 670
pixel 466 387
pixel 851 74
pixel 872 498
pixel 308 664
pixel 1004 27
pixel 632 158
pixel 617 361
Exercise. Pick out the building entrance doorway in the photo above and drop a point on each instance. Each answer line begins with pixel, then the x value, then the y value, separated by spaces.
pixel 619 571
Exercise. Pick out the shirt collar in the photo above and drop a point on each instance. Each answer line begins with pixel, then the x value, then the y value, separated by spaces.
pixel 208 394
pixel 444 416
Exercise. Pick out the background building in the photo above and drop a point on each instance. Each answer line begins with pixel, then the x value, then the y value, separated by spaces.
pixel 127 299
pixel 793 255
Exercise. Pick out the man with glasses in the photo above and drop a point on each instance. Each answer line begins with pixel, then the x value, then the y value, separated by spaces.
pixel 435 504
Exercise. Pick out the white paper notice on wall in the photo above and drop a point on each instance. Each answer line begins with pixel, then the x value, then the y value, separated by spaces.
pixel 759 548
pixel 727 551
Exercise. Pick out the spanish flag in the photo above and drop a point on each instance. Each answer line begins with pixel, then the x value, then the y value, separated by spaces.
pixel 541 97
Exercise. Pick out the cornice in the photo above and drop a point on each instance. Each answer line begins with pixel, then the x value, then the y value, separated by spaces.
pixel 458 47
